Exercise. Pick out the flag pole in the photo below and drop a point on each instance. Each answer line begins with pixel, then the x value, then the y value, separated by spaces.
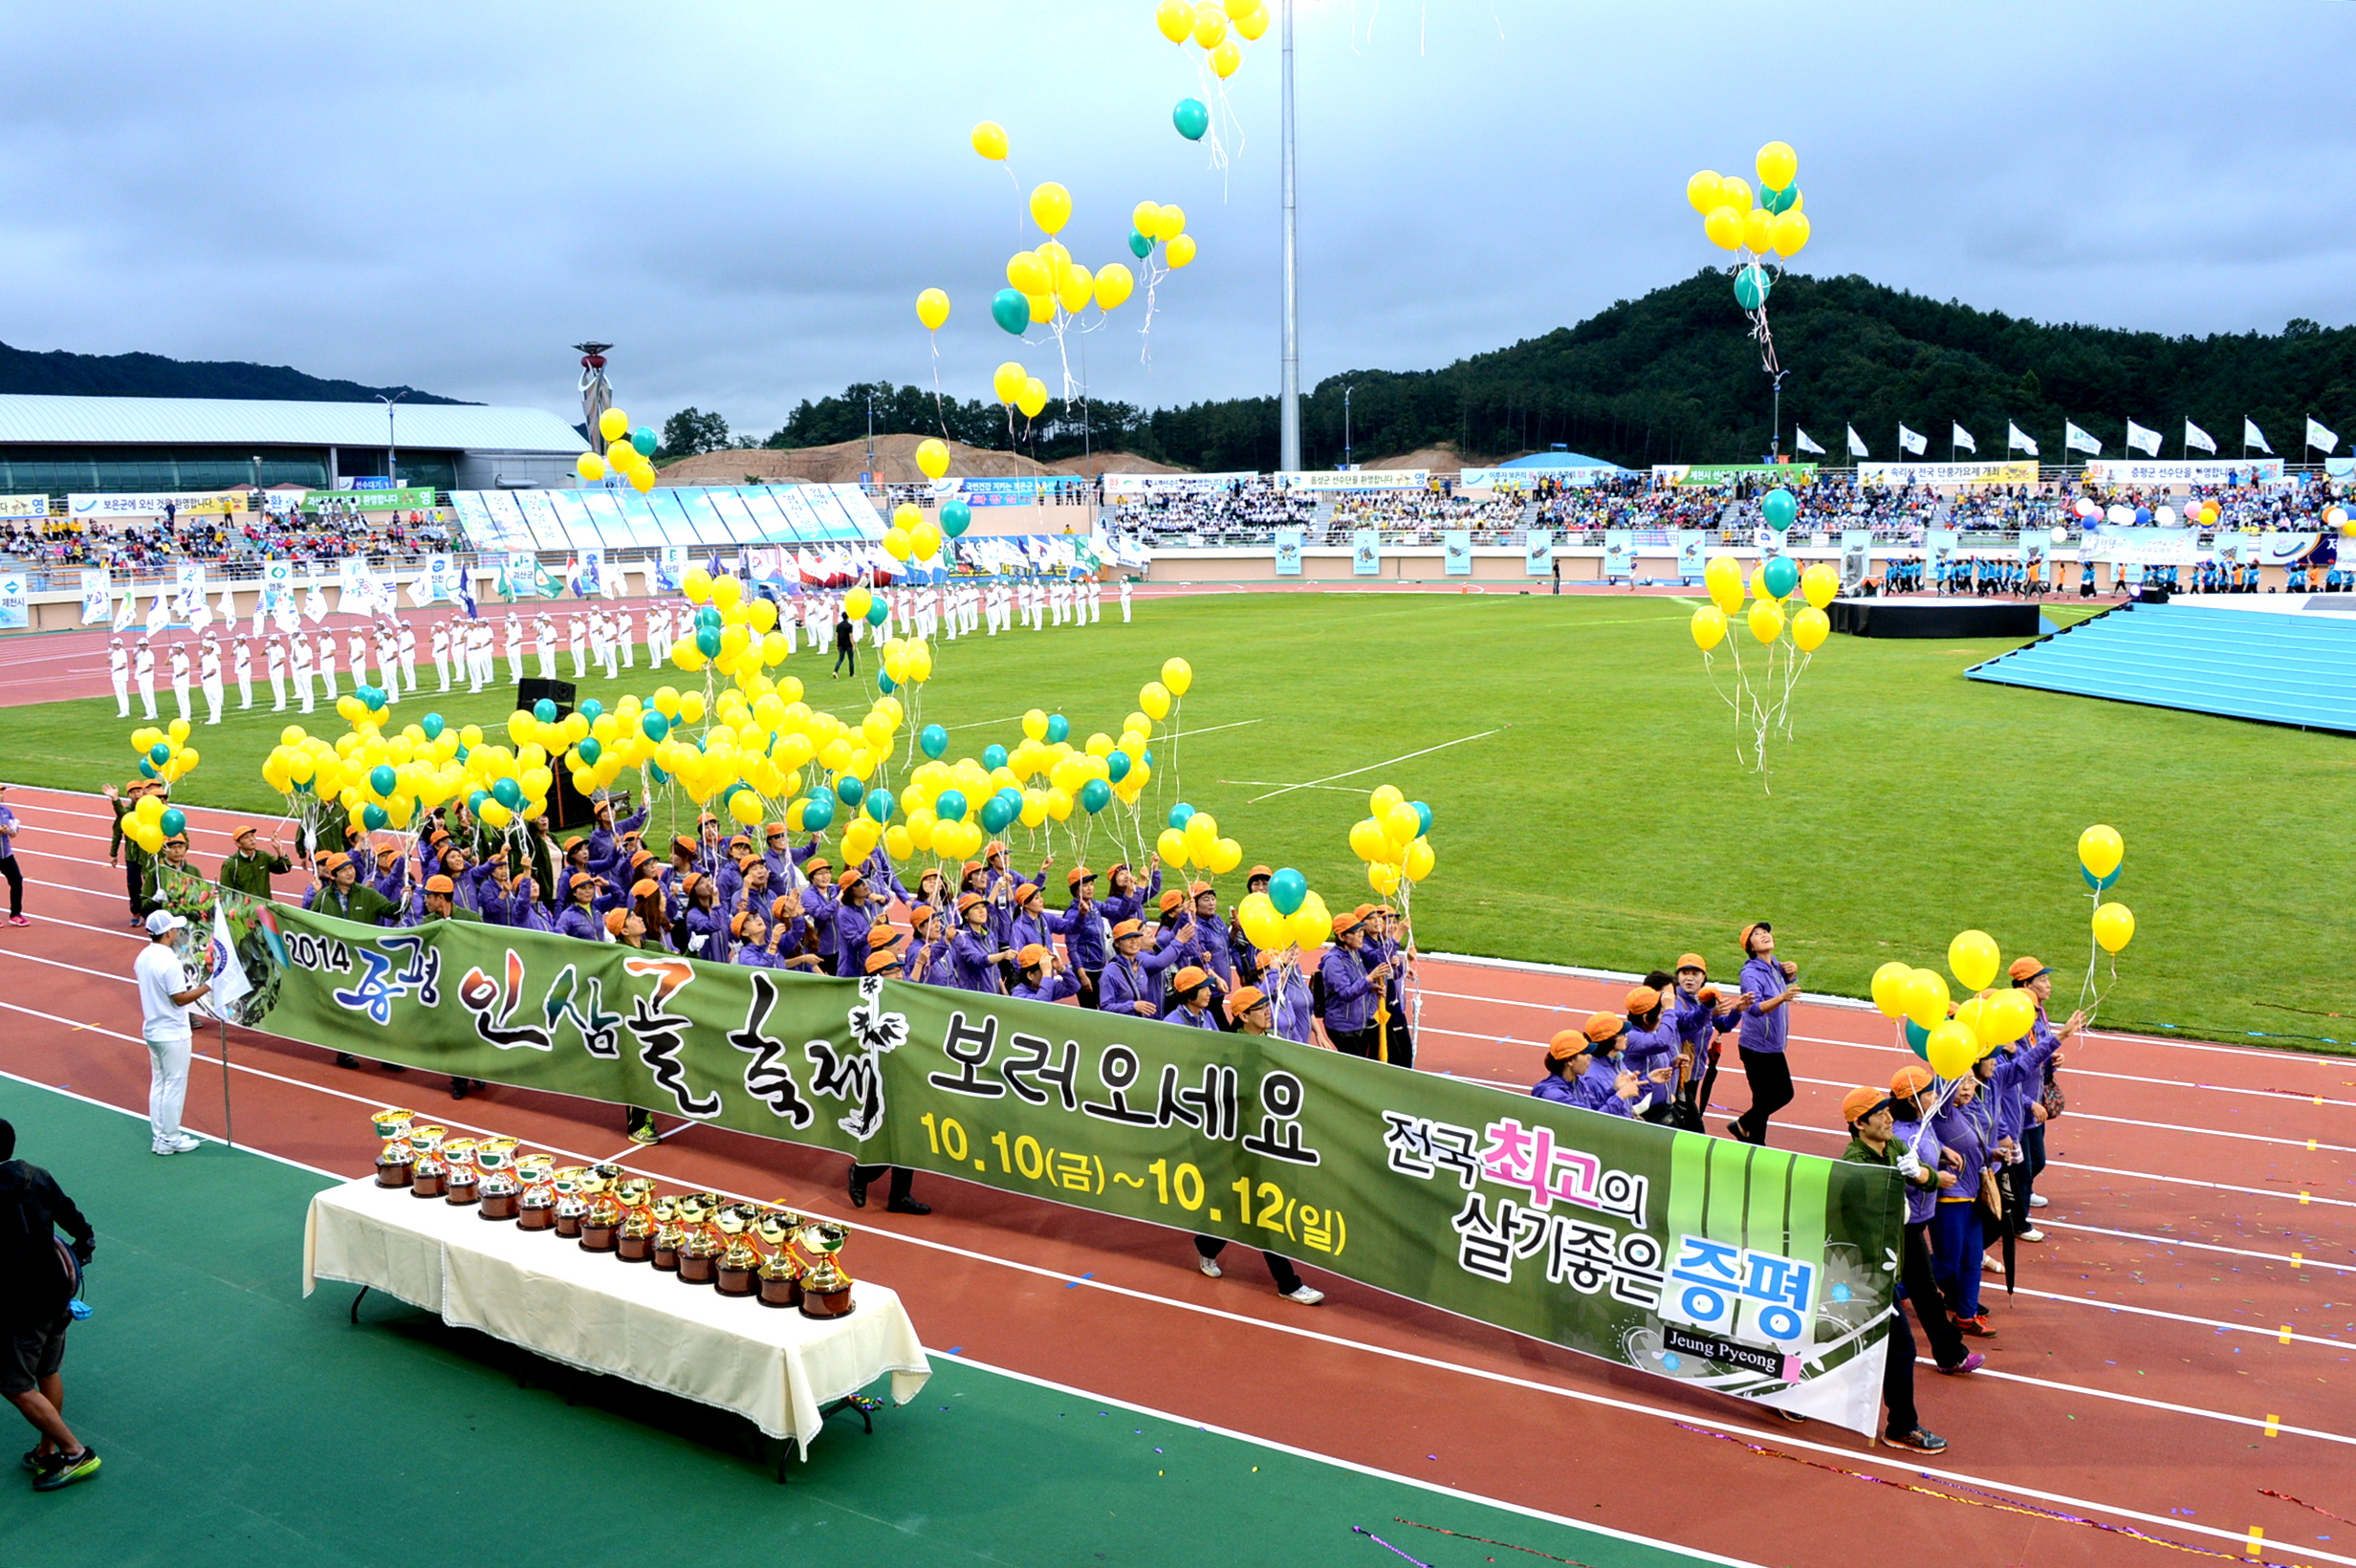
pixel 228 1127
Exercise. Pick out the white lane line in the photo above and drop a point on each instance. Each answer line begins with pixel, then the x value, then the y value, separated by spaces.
pixel 2296 1260
pixel 1409 1357
pixel 2278 1334
pixel 2050 1386
pixel 1372 766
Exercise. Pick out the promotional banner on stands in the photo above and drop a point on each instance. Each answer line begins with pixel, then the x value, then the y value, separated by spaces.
pixel 1619 553
pixel 2248 470
pixel 1538 553
pixel 1288 552
pixel 1752 1272
pixel 16 602
pixel 98 595
pixel 1457 552
pixel 1691 543
pixel 1366 553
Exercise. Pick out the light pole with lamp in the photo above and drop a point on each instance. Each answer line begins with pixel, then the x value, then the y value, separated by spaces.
pixel 1346 426
pixel 392 479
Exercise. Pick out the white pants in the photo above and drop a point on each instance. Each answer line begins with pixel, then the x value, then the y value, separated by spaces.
pixel 277 689
pixel 327 681
pixel 516 667
pixel 613 653
pixel 1124 609
pixel 245 691
pixel 147 694
pixel 408 670
pixel 629 653
pixel 441 668
pixel 581 664
pixel 302 684
pixel 179 695
pixel 122 696
pixel 212 700
pixel 548 660
pixel 167 1085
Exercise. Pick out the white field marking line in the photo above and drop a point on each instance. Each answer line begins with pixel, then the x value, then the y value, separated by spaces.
pixel 1372 766
pixel 978 723
pixel 1209 730
pixel 2151 1404
pixel 2083 1116
pixel 1385 1351
pixel 1262 783
pixel 1271 1444
pixel 2300 1262
pixel 2274 1334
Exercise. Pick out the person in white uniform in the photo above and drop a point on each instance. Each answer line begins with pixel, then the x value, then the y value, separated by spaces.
pixel 143 666
pixel 302 669
pixel 208 678
pixel 273 662
pixel 180 677
pixel 440 642
pixel 358 645
pixel 118 670
pixel 514 649
pixel 165 995
pixel 404 643
pixel 241 667
pixel 327 669
pixel 1124 602
pixel 544 644
pixel 577 643
pixel 626 630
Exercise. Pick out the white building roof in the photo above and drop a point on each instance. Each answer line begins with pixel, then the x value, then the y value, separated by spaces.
pixel 26 418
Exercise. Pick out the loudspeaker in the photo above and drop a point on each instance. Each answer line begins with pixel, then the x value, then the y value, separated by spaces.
pixel 2152 595
pixel 567 807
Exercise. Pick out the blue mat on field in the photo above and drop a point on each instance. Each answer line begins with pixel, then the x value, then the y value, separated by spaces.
pixel 2292 669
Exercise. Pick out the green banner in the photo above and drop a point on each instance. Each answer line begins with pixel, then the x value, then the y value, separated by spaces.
pixel 409 498
pixel 1719 474
pixel 1749 1270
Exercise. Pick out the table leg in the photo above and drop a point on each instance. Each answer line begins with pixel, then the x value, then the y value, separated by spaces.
pixel 363 1291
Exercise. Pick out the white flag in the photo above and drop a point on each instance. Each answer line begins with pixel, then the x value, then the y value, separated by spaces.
pixel 2078 441
pixel 2253 436
pixel 2320 439
pixel 229 606
pixel 128 612
pixel 1856 443
pixel 222 969
pixel 1801 440
pixel 2195 435
pixel 315 604
pixel 2016 441
pixel 1962 438
pixel 2146 442
pixel 159 613
pixel 1910 442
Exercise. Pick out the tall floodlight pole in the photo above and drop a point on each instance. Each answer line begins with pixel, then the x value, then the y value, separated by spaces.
pixel 391 476
pixel 1288 415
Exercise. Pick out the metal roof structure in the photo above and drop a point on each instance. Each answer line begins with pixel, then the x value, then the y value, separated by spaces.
pixel 1534 460
pixel 27 420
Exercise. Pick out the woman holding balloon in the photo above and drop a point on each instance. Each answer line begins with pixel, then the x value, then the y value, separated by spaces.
pixel 1764 1030
pixel 2020 1087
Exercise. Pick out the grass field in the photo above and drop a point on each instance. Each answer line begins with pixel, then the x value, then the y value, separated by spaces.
pixel 1591 809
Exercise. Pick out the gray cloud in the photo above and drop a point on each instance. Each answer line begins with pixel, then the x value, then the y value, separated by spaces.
pixel 747 198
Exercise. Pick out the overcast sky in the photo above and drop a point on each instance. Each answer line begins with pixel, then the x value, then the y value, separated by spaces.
pixel 747 198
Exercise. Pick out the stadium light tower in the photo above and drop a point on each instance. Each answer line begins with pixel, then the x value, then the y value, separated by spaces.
pixel 392 475
pixel 1288 412
pixel 596 393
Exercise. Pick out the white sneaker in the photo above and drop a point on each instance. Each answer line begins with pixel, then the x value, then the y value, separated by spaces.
pixel 2033 1234
pixel 2037 1200
pixel 1992 1264
pixel 1208 1265
pixel 183 1145
pixel 1306 1296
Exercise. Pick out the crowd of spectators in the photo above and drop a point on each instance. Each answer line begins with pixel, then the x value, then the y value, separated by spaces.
pixel 154 543
pixel 1214 513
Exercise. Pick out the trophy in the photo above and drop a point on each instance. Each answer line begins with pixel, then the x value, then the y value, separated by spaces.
pixel 394 1163
pixel 431 1173
pixel 496 1159
pixel 458 1153
pixel 569 1183
pixel 699 1246
pixel 536 1208
pixel 651 1233
pixel 780 1270
pixel 602 1211
pixel 739 1258
pixel 825 1289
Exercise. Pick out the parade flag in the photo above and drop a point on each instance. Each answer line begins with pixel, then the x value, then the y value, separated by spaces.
pixel 1799 440
pixel 1961 437
pixel 2320 439
pixel 224 972
pixel 2146 442
pixel 2253 436
pixel 2016 440
pixel 2078 441
pixel 1908 441
pixel 1856 443
pixel 2195 435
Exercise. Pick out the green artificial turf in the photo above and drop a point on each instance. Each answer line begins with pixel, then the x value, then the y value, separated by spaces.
pixel 241 1424
pixel 1603 816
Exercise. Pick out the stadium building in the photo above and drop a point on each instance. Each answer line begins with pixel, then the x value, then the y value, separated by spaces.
pixel 64 445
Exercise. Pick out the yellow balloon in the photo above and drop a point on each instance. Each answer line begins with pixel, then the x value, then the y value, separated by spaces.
pixel 1790 235
pixel 932 309
pixel 613 424
pixel 931 457
pixel 1042 307
pixel 1758 226
pixel 1709 627
pixel 745 807
pixel 1759 582
pixel 1734 191
pixel 1253 23
pixel 1154 698
pixel 1209 23
pixel 1146 218
pixel 990 141
pixel 1924 998
pixel 1952 1049
pixel 1972 958
pixel 1820 583
pixel 1766 622
pixel 1177 675
pixel 1384 797
pixel 1890 988
pixel 926 540
pixel 1310 924
pixel 1172 847
pixel 1007 381
pixel 1073 288
pixel 2114 926
pixel 1724 227
pixel 1051 206
pixel 895 545
pixel 1723 579
pixel 590 467
pixel 1777 166
pixel 1703 192
pixel 1809 629
pixel 857 603
pixel 1226 59
pixel 1027 272
pixel 1168 221
pixel 2007 1015
pixel 1114 283
pixel 642 480
pixel 1175 18
pixel 2100 850
pixel 1032 399
pixel 1382 879
pixel 1180 250
pixel 1419 859
pixel 905 516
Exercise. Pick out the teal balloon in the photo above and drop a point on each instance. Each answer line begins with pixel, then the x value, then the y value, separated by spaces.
pixel 709 616
pixel 374 697
pixel 994 757
pixel 1778 201
pixel 1095 796
pixel 1140 246
pixel 1180 814
pixel 1011 310
pixel 1780 509
pixel 879 804
pixel 708 642
pixel 1058 729
pixel 589 750
pixel 1191 118
pixel 433 725
pixel 656 774
pixel 645 440
pixel 950 807
pixel 147 769
pixel 653 726
pixel 877 613
pixel 544 710
pixel 885 683
pixel 996 813
pixel 1423 813
pixel 1288 891
pixel 955 518
pixel 373 818
pixel 592 709
pixel 849 791
pixel 2100 884
pixel 1782 576
pixel 174 822
pixel 1917 1038
pixel 475 799
pixel 159 754
pixel 1117 765
pixel 1750 286
pixel 817 812
pixel 381 778
pixel 508 793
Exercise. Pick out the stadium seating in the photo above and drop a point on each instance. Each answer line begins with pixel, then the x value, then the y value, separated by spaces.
pixel 2275 667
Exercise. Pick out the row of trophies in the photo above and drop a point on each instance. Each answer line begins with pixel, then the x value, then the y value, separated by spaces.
pixel 739 1249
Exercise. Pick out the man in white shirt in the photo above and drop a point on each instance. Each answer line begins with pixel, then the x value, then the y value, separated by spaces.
pixel 404 643
pixel 143 666
pixel 1095 602
pixel 626 631
pixel 180 677
pixel 514 649
pixel 241 666
pixel 208 678
pixel 577 643
pixel 440 642
pixel 327 669
pixel 544 643
pixel 302 668
pixel 165 994
pixel 273 660
pixel 359 664
pixel 478 638
pixel 118 670
pixel 608 651
pixel 1124 602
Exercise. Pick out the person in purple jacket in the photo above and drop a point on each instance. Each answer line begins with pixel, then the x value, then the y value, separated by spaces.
pixel 852 918
pixel 1606 1085
pixel 584 916
pixel 1124 899
pixel 1765 1026
pixel 1965 1128
pixel 1649 1051
pixel 1927 1171
pixel 1044 978
pixel 1131 979
pixel 1350 991
pixel 1566 1058
pixel 973 953
pixel 605 838
pixel 1288 994
pixel 757 941
pixel 927 962
pixel 1703 1016
pixel 511 901
pixel 2022 1068
pixel 701 928
pixel 1249 1012
pixel 1192 1004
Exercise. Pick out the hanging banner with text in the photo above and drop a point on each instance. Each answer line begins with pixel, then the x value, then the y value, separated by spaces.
pixel 1288 552
pixel 1752 1272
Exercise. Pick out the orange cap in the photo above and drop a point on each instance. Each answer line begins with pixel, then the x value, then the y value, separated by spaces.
pixel 1188 978
pixel 615 919
pixel 1566 1044
pixel 1859 1103
pixel 337 862
pixel 1744 941
pixel 968 901
pixel 2024 970
pixel 776 830
pixel 440 884
pixel 1642 999
pixel 1171 900
pixel 1256 872
pixel 1603 1028
pixel 1693 961
pixel 1910 1079
pixel 882 936
pixel 1128 927
pixel 1031 956
pixel 1196 889
pixel 1244 1000
pixel 881 959
pixel 736 927
pixel 1077 875
pixel 1346 920
pixel 644 886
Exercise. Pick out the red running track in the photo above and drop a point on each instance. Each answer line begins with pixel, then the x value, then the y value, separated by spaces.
pixel 2180 1342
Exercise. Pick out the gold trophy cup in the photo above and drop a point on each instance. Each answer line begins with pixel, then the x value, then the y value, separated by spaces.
pixel 499 1188
pixel 395 1163
pixel 535 1210
pixel 781 1269
pixel 465 1180
pixel 430 1172
pixel 825 1289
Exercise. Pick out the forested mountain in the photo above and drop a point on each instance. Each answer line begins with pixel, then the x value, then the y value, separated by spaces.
pixel 1674 377
pixel 153 376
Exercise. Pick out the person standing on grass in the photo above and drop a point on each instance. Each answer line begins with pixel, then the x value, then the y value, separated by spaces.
pixel 9 868
pixel 36 1292
pixel 1765 1028
pixel 165 994
pixel 1868 1113
pixel 1250 1013
pixel 844 648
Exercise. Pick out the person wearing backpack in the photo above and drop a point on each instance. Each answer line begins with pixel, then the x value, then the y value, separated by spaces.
pixel 38 1279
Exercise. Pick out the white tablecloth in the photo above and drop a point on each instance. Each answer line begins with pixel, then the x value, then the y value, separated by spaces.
pixel 589 1309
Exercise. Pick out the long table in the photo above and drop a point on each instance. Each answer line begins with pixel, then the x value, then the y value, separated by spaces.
pixel 776 1368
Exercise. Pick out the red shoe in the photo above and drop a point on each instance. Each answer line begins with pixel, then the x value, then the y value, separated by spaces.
pixel 18 919
pixel 1977 1328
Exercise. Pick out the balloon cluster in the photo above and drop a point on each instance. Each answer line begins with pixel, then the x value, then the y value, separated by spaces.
pixel 2100 854
pixel 1193 837
pixel 628 453
pixel 910 535
pixel 1391 840
pixel 1755 225
pixel 1791 635
pixel 2337 517
pixel 1219 28
pixel 388 781
pixel 1950 1037
pixel 164 753
pixel 735 635
pixel 951 806
pixel 152 821
pixel 1045 285
pixel 1289 914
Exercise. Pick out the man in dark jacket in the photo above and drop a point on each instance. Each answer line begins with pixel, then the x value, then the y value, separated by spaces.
pixel 35 1288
